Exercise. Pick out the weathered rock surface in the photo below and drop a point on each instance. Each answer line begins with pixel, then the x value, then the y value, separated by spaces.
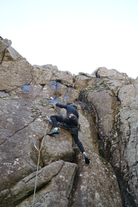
pixel 63 77
pixel 82 81
pixel 14 74
pixel 92 182
pixel 58 192
pixel 113 79
pixel 14 69
pixel 42 75
pixel 118 127
pixel 107 103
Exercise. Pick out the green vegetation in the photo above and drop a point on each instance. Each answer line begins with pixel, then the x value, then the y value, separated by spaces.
pixel 128 118
pixel 97 88
pixel 44 102
pixel 4 97
pixel 104 161
pixel 116 130
pixel 119 108
pixel 127 179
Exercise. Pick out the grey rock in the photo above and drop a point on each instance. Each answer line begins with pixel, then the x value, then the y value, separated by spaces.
pixel 107 104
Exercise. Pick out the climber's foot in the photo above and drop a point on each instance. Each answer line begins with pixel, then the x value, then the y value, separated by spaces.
pixel 54 131
pixel 87 160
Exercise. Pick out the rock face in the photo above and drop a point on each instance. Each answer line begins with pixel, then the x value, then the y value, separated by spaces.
pixel 15 71
pixel 107 104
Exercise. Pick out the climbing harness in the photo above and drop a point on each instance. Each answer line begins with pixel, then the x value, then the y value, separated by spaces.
pixel 72 115
pixel 39 159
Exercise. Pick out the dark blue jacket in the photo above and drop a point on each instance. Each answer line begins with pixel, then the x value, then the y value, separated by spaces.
pixel 70 109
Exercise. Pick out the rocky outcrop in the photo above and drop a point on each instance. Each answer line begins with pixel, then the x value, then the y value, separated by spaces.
pixel 118 127
pixel 15 71
pixel 107 104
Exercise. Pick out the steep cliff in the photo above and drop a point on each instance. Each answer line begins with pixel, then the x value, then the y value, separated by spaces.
pixel 107 104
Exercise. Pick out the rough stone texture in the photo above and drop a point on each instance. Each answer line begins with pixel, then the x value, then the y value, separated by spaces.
pixel 2 50
pixel 120 146
pixel 106 117
pixel 25 187
pixel 11 54
pixel 15 71
pixel 124 141
pixel 43 74
pixel 22 122
pixel 107 103
pixel 92 182
pixel 4 44
pixel 64 77
pixel 56 148
pixel 58 192
pixel 111 74
pixel 115 99
pixel 82 82
pixel 113 78
pixel 14 74
pixel 18 130
pixel 126 95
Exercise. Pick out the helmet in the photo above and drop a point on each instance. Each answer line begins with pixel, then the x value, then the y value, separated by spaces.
pixel 74 105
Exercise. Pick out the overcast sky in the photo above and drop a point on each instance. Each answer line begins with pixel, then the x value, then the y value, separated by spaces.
pixel 75 35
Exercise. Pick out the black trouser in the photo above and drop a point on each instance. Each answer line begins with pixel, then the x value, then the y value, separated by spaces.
pixel 69 122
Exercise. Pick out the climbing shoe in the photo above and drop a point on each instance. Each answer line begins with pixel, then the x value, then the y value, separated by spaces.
pixel 87 160
pixel 54 131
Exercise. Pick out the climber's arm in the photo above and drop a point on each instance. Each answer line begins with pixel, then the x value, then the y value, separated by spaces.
pixel 61 105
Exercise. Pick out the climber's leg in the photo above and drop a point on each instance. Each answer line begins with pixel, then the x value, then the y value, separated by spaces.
pixel 55 119
pixel 77 141
pixel 79 144
pixel 61 118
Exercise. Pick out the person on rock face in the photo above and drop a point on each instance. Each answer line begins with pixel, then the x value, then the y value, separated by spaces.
pixel 71 120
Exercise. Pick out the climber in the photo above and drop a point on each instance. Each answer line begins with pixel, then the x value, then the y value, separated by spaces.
pixel 71 120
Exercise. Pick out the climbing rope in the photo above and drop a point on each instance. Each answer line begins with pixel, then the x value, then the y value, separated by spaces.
pixel 39 159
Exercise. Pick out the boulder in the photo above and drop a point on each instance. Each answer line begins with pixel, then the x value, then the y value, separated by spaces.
pixel 82 81
pixel 42 75
pixel 111 74
pixel 8 53
pixel 14 74
pixel 11 54
pixel 114 79
pixel 26 186
pixel 127 95
pixel 65 78
pixel 58 192
pixel 57 148
pixel 106 106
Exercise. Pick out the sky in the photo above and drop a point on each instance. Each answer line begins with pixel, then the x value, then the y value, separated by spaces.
pixel 75 35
